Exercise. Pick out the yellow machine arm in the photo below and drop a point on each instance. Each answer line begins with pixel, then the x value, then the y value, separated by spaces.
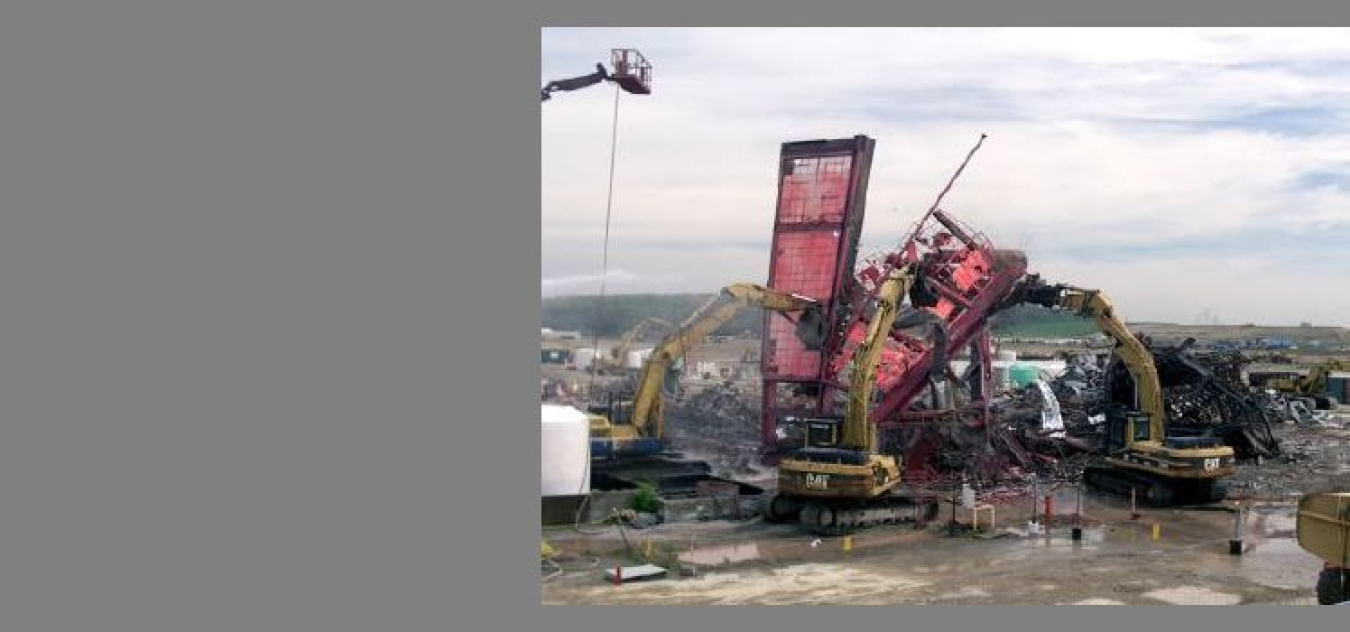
pixel 858 429
pixel 648 414
pixel 1316 381
pixel 635 333
pixel 1137 359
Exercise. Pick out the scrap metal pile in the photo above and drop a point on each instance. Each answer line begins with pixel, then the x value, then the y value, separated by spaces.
pixel 721 410
pixel 1204 395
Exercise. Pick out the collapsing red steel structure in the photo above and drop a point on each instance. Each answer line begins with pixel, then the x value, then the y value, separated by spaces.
pixel 822 186
pixel 962 278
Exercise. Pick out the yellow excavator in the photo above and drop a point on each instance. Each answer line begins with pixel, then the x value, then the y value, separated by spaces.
pixel 634 428
pixel 838 482
pixel 1140 456
pixel 1313 385
pixel 1323 528
pixel 617 355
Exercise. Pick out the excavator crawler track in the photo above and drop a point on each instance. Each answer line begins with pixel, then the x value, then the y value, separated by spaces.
pixel 835 518
pixel 1152 490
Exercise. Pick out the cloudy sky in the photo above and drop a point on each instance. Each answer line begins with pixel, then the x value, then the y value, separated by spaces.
pixel 1185 172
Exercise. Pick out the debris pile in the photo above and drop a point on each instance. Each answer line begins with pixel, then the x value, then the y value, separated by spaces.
pixel 1312 458
pixel 1203 394
pixel 719 423
pixel 723 408
pixel 1080 390
pixel 1022 441
pixel 1293 409
pixel 1052 429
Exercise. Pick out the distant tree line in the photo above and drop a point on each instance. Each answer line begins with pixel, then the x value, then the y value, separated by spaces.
pixel 617 314
pixel 1035 321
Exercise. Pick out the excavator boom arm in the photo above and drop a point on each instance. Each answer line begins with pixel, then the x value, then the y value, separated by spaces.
pixel 1136 358
pixel 647 405
pixel 858 429
pixel 636 332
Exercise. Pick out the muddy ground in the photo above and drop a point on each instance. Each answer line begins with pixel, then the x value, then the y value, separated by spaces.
pixel 1116 562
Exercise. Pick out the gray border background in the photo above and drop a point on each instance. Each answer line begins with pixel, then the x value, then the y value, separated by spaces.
pixel 268 288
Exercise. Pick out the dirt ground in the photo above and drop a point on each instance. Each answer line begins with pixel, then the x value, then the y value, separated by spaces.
pixel 1312 459
pixel 1116 562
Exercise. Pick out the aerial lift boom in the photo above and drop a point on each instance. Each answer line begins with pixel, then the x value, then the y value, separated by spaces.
pixel 632 73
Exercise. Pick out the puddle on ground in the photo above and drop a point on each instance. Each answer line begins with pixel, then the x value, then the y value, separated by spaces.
pixel 967 592
pixel 1271 523
pixel 1194 596
pixel 715 555
pixel 798 584
pixel 1279 563
pixel 1098 601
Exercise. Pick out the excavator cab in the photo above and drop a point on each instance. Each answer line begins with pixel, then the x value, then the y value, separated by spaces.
pixel 1124 427
pixel 822 432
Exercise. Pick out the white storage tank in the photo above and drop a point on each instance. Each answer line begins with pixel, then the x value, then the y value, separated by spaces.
pixel 565 461
pixel 583 357
pixel 636 358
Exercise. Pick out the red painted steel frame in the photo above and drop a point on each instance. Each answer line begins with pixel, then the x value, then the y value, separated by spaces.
pixel 822 187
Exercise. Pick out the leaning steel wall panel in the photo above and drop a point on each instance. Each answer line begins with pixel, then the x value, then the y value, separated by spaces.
pixel 821 191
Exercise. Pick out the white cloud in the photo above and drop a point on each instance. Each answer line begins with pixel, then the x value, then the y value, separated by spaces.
pixel 1138 143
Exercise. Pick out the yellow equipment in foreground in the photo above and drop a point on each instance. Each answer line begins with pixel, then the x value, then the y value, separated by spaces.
pixel 636 427
pixel 1324 530
pixel 1163 469
pixel 838 483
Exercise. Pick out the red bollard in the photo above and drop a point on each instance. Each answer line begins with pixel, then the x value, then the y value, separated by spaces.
pixel 1049 508
pixel 1134 509
pixel 618 575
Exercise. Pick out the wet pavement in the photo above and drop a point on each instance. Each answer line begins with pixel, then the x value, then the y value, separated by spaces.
pixel 1118 561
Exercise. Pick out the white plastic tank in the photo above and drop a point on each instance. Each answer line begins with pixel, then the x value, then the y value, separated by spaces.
pixel 583 357
pixel 565 460
pixel 636 358
pixel 706 369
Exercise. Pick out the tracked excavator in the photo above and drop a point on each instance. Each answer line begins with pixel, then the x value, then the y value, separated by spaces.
pixel 618 355
pixel 838 482
pixel 1140 456
pixel 1313 386
pixel 635 427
